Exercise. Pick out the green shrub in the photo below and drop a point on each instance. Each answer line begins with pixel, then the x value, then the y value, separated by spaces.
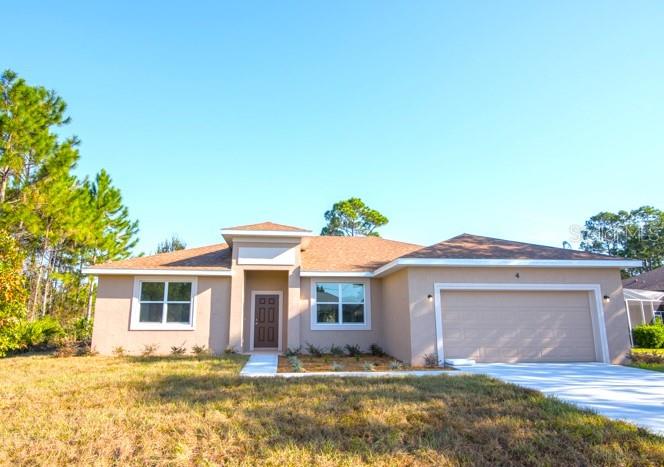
pixel 314 350
pixel 336 350
pixel 295 364
pixel 119 351
pixel 293 352
pixel 353 350
pixel 80 330
pixel 649 336
pixel 9 337
pixel 13 294
pixel 396 365
pixel 40 333
pixel 376 350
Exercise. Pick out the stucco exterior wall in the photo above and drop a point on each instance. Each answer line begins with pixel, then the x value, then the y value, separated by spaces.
pixel 112 313
pixel 364 338
pixel 396 315
pixel 421 283
pixel 240 302
pixel 264 281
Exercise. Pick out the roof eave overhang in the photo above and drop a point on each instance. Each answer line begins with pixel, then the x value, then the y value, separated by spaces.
pixel 230 234
pixel 336 274
pixel 401 263
pixel 155 272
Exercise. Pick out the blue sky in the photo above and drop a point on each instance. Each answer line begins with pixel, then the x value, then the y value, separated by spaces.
pixel 508 119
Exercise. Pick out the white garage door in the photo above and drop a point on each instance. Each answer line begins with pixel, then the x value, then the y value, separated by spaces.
pixel 518 326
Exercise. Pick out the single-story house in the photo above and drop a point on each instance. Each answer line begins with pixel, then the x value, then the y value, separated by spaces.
pixel 272 286
pixel 644 296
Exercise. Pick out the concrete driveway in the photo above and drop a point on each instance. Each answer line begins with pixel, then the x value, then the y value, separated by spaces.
pixel 618 392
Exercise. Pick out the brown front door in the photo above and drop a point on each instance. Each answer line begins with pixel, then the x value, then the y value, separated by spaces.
pixel 266 321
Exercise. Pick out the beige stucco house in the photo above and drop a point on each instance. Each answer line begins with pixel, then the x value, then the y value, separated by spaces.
pixel 272 286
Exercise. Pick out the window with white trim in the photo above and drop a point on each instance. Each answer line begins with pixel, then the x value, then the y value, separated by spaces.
pixel 659 316
pixel 165 303
pixel 340 303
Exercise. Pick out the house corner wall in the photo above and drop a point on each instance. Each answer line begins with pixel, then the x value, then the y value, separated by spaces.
pixel 422 322
pixel 396 323
pixel 292 337
pixel 235 325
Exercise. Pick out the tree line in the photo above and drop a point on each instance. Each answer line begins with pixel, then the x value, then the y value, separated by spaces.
pixel 52 223
pixel 636 234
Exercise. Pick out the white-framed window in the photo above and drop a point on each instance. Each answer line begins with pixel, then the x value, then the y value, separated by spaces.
pixel 340 304
pixel 659 316
pixel 161 303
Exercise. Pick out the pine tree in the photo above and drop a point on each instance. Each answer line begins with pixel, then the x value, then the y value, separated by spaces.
pixel 27 114
pixel 59 223
pixel 111 234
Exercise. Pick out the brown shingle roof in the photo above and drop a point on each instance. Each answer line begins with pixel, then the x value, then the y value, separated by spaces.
pixel 211 257
pixel 467 246
pixel 361 254
pixel 353 254
pixel 651 280
pixel 268 226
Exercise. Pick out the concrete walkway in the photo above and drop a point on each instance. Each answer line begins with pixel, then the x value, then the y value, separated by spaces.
pixel 261 365
pixel 618 392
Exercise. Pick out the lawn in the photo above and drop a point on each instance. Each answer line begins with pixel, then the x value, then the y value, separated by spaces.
pixel 173 411
pixel 648 366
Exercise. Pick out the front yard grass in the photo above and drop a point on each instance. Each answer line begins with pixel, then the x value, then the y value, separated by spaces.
pixel 184 411
pixel 649 366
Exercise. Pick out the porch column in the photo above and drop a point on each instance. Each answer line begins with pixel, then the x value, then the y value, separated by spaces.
pixel 235 325
pixel 293 336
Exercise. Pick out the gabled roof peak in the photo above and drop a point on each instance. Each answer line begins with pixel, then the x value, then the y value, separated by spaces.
pixel 268 226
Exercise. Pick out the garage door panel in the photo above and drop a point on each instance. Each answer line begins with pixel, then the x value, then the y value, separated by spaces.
pixel 479 299
pixel 517 326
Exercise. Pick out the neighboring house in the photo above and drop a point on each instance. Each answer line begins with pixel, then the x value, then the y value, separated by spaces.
pixel 644 296
pixel 273 286
pixel 651 280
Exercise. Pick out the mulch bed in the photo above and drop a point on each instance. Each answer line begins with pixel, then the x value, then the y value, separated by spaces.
pixel 313 364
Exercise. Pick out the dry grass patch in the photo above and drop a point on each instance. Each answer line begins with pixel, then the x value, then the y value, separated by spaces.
pixel 183 411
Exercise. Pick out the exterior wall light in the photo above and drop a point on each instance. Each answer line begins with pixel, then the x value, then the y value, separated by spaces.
pixel 607 299
pixel 430 297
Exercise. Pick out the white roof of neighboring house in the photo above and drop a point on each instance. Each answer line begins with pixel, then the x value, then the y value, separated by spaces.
pixel 643 295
